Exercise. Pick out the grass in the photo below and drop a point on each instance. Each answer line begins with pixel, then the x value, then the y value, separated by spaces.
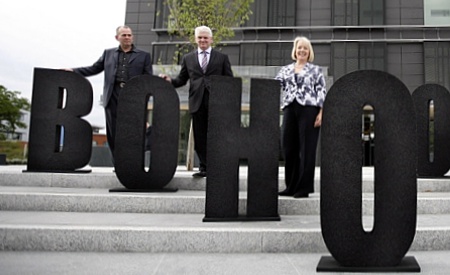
pixel 14 151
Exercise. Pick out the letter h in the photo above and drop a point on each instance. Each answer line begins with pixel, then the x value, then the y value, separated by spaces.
pixel 228 143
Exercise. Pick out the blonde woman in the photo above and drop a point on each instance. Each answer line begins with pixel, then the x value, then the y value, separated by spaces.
pixel 304 90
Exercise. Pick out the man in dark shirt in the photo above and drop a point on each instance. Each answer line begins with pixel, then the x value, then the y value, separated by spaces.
pixel 120 64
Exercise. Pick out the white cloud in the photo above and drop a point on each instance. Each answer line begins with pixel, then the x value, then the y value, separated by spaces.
pixel 56 34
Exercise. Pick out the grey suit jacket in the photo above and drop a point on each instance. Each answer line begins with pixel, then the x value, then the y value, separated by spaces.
pixel 140 63
pixel 219 64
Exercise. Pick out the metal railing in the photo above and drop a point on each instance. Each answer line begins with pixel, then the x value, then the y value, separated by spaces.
pixel 333 34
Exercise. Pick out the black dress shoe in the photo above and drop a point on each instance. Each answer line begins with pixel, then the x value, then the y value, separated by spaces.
pixel 301 195
pixel 284 193
pixel 200 174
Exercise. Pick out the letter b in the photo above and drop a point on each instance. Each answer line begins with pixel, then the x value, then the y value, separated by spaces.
pixel 60 141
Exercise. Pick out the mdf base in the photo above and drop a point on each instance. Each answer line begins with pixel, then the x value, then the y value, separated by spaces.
pixel 81 171
pixel 329 264
pixel 156 190
pixel 242 219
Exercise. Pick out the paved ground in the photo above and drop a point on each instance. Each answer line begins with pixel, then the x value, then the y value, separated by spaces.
pixel 436 262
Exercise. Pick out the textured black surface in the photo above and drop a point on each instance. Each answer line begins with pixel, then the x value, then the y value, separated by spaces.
pixel 328 264
pixel 131 128
pixel 228 143
pixel 2 159
pixel 48 110
pixel 440 96
pixel 395 170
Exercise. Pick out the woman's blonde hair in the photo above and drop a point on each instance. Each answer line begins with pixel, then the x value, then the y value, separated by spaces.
pixel 305 40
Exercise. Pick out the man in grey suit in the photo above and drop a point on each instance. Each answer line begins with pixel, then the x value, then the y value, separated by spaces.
pixel 197 67
pixel 120 64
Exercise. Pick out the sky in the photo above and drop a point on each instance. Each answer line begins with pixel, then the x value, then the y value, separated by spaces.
pixel 56 34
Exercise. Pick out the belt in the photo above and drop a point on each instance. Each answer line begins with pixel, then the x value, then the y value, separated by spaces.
pixel 121 84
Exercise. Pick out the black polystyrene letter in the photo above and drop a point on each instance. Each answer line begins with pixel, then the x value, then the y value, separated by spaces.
pixel 228 143
pixel 59 100
pixel 395 159
pixel 130 135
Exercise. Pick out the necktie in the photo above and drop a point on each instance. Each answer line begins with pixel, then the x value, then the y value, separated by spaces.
pixel 204 61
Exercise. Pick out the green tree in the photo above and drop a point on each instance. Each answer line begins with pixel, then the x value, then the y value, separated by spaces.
pixel 11 106
pixel 220 15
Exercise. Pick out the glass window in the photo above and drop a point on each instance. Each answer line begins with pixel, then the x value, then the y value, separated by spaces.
pixel 279 54
pixel 282 13
pixel 232 51
pixel 371 12
pixel 350 57
pixel 164 54
pixel 271 54
pixel 358 12
pixel 437 12
pixel 162 15
pixel 253 54
pixel 345 59
pixel 259 15
pixel 371 56
pixel 345 12
pixel 437 63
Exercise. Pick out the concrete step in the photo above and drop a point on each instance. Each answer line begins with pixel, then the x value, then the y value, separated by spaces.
pixel 23 198
pixel 182 233
pixel 101 177
pixel 76 212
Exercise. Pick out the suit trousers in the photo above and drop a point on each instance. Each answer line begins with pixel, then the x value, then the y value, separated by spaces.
pixel 299 143
pixel 200 126
pixel 111 118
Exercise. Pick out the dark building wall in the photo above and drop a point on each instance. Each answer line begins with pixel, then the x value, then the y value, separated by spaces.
pixel 140 16
pixel 266 39
pixel 406 62
pixel 404 12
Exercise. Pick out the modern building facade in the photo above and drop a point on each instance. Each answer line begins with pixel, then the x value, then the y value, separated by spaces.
pixel 409 39
pixel 20 134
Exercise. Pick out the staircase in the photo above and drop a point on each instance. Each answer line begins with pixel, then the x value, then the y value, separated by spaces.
pixel 76 213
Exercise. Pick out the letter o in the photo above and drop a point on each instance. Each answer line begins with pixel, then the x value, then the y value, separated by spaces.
pixel 395 160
